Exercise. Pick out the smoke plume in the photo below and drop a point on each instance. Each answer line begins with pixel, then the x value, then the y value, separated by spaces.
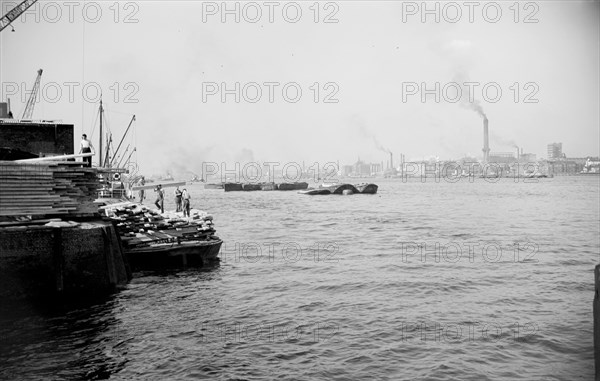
pixel 467 99
pixel 366 133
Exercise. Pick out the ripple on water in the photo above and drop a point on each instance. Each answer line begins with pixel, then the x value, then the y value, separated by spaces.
pixel 365 312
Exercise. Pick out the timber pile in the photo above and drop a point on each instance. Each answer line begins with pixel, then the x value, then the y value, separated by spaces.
pixel 48 189
pixel 140 226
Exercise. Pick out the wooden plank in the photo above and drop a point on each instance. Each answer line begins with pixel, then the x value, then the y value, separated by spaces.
pixel 164 185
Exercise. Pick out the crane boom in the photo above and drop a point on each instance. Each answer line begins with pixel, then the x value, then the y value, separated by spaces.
pixel 123 138
pixel 14 13
pixel 31 102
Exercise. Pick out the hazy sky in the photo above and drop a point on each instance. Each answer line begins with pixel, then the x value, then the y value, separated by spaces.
pixel 370 58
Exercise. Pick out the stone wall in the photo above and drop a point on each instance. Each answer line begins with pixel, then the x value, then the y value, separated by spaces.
pixel 39 260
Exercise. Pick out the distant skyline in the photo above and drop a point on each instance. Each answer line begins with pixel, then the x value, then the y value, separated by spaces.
pixel 175 58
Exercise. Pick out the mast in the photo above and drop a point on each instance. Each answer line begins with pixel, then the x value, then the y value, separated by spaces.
pixel 100 146
pixel 107 160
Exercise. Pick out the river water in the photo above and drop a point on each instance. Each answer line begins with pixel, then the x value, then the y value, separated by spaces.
pixel 422 281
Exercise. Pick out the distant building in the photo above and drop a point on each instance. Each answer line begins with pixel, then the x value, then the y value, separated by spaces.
pixel 346 170
pixel 528 157
pixel 555 151
pixel 501 157
pixel 361 169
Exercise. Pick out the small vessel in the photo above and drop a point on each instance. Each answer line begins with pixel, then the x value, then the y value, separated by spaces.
pixel 231 187
pixel 365 188
pixel 313 191
pixel 251 187
pixel 292 186
pixel 158 241
pixel 213 186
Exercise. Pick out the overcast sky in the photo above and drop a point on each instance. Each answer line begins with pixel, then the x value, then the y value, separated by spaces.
pixel 170 51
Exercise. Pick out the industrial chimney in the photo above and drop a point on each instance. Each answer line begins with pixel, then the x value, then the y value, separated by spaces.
pixel 391 160
pixel 486 141
pixel 517 152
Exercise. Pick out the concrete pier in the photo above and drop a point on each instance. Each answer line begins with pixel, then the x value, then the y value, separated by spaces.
pixel 84 259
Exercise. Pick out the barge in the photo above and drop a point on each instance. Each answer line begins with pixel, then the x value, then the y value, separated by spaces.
pixel 157 241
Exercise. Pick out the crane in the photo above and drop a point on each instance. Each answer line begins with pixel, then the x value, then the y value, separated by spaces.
pixel 123 138
pixel 14 13
pixel 31 102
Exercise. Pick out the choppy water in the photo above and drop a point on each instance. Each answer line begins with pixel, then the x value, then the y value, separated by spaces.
pixel 338 291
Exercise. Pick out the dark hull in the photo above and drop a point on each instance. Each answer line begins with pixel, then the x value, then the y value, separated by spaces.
pixel 292 186
pixel 251 187
pixel 230 187
pixel 313 192
pixel 367 188
pixel 173 255
pixel 213 186
pixel 340 188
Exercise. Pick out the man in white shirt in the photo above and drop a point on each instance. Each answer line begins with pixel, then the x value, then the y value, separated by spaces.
pixel 86 147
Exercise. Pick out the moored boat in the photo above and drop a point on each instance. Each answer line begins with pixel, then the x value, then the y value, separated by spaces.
pixel 155 241
pixel 345 189
pixel 313 192
pixel 367 188
pixel 174 254
pixel 251 187
pixel 230 187
pixel 292 186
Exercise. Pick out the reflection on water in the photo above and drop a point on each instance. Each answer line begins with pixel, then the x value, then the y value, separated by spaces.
pixel 426 281
pixel 71 341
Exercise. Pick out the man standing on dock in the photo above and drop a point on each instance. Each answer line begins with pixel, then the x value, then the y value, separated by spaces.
pixel 178 199
pixel 186 203
pixel 86 147
pixel 160 198
pixel 142 192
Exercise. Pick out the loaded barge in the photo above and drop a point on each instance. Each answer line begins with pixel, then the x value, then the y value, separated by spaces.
pixel 152 240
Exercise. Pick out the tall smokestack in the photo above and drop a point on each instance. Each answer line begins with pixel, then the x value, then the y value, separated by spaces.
pixel 391 160
pixel 486 141
pixel 517 152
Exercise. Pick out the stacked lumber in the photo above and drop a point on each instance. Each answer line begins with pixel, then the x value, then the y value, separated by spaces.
pixel 40 189
pixel 140 226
